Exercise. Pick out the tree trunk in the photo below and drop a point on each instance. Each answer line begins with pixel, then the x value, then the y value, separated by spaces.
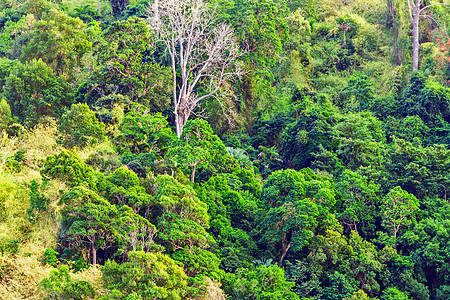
pixel 285 245
pixel 390 14
pixel 156 16
pixel 98 6
pixel 193 174
pixel 415 24
pixel 398 53
pixel 94 255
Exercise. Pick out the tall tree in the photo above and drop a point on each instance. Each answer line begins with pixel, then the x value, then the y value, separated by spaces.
pixel 416 8
pixel 201 52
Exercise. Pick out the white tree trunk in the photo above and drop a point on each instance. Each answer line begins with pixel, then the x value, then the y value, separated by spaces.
pixel 202 52
pixel 415 23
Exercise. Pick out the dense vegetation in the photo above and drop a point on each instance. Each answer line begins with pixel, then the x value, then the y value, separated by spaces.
pixel 314 164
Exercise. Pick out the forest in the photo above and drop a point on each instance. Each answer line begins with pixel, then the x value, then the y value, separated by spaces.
pixel 225 149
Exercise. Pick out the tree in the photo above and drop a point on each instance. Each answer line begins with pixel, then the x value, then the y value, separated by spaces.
pixel 122 188
pixel 59 40
pixel 33 90
pixel 201 52
pixel 69 167
pixel 5 115
pixel 87 218
pixel 148 275
pixel 263 283
pixel 38 202
pixel 80 127
pixel 292 199
pixel 184 218
pixel 398 210
pixel 359 196
pixel 60 286
pixel 198 147
pixel 125 68
pixel 146 132
pixel 346 23
pixel 415 9
pixel 136 230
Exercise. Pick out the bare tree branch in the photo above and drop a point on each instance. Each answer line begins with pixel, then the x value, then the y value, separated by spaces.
pixel 201 52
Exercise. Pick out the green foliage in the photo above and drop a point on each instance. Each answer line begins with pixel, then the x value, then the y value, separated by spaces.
pixel 137 232
pixel 59 40
pixel 261 30
pixel 38 202
pixel 184 218
pixel 146 275
pixel 199 148
pixel 125 69
pixel 359 198
pixel 295 200
pixel 80 127
pixel 49 257
pixel 262 283
pixel 313 129
pixel 394 293
pixel 427 99
pixel 145 132
pixel 33 90
pixel 5 115
pixel 360 94
pixel 398 209
pixel 68 166
pixel 416 169
pixel 359 138
pixel 59 285
pixel 87 220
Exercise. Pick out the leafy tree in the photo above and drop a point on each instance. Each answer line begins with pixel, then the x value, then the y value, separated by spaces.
pixel 33 90
pixel 262 283
pixel 393 293
pixel 416 169
pixel 125 68
pixel 59 285
pixel 360 92
pixel 425 98
pixel 69 167
pixel 198 263
pixel 87 219
pixel 198 147
pixel 359 198
pixel 399 209
pixel 359 295
pixel 184 218
pixel 38 202
pixel 146 275
pixel 359 137
pixel 136 231
pixel 346 23
pixel 123 187
pixel 59 40
pixel 5 115
pixel 313 129
pixel 145 132
pixel 49 257
pixel 232 206
pixel 294 201
pixel 80 127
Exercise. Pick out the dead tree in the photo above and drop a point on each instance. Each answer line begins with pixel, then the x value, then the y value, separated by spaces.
pixel 201 51
pixel 416 8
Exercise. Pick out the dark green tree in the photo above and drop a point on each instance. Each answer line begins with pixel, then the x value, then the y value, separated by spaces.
pixel 80 127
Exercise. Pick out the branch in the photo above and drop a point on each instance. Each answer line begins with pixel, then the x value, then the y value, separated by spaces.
pixel 430 5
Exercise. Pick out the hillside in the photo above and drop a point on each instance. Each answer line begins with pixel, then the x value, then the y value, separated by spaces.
pixel 242 149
